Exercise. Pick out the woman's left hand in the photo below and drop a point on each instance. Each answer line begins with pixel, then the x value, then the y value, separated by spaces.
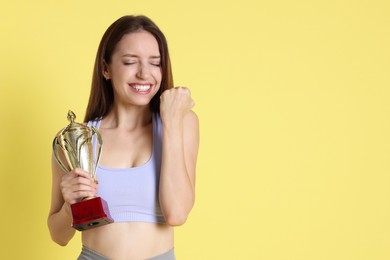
pixel 175 103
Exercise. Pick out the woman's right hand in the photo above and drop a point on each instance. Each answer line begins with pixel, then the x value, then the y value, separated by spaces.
pixel 77 185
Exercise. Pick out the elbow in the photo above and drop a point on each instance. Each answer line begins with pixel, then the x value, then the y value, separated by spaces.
pixel 57 237
pixel 177 214
pixel 175 220
pixel 176 217
pixel 58 240
pixel 61 243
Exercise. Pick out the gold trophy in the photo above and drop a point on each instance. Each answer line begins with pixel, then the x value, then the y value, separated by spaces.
pixel 75 141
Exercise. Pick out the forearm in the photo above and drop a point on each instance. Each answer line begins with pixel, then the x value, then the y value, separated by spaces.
pixel 60 225
pixel 177 193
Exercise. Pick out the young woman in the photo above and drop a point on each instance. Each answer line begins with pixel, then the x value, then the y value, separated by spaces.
pixel 150 144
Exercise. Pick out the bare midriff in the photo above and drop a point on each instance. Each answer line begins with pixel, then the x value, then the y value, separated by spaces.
pixel 130 240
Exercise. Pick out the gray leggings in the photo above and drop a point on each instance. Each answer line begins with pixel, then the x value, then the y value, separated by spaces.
pixel 88 254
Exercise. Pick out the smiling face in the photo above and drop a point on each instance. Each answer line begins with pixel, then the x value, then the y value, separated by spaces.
pixel 135 69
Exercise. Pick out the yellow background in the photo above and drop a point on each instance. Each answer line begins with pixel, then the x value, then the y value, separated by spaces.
pixel 293 101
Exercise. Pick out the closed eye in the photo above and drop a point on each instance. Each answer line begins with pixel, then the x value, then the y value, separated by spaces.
pixel 129 62
pixel 155 61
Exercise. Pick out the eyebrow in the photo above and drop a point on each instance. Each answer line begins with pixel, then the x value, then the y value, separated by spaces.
pixel 136 56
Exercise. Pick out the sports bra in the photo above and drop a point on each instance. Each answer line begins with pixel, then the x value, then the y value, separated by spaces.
pixel 132 193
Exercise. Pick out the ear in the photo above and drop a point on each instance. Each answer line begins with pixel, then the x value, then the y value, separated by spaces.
pixel 106 70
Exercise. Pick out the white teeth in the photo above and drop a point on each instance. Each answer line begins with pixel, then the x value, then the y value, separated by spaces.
pixel 142 87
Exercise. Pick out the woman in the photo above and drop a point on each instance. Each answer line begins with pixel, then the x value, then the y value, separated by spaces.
pixel 151 136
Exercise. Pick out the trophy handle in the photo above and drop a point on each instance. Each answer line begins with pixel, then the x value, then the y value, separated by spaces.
pixel 99 152
pixel 56 156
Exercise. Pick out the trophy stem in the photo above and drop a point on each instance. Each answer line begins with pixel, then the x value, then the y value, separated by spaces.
pixel 87 198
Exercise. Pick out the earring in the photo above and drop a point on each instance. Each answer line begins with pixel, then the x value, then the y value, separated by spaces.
pixel 107 78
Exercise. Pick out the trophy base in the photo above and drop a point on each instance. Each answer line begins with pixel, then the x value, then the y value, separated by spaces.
pixel 90 213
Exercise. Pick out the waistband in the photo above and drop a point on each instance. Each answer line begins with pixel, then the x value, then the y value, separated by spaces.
pixel 89 254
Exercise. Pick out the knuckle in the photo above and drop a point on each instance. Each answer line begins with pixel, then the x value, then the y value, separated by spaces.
pixel 76 170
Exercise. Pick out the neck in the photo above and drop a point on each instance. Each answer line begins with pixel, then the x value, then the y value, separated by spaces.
pixel 127 117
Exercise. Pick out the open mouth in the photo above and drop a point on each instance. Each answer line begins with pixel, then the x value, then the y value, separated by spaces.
pixel 141 88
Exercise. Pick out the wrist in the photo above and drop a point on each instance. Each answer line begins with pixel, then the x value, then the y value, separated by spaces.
pixel 67 209
pixel 172 122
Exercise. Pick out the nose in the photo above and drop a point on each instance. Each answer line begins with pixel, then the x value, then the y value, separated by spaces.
pixel 143 71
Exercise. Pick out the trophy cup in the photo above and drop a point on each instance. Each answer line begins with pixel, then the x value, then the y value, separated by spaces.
pixel 75 141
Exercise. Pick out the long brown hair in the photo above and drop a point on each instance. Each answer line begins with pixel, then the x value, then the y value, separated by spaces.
pixel 101 97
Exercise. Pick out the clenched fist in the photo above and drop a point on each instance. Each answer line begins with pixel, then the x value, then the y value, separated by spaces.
pixel 175 103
